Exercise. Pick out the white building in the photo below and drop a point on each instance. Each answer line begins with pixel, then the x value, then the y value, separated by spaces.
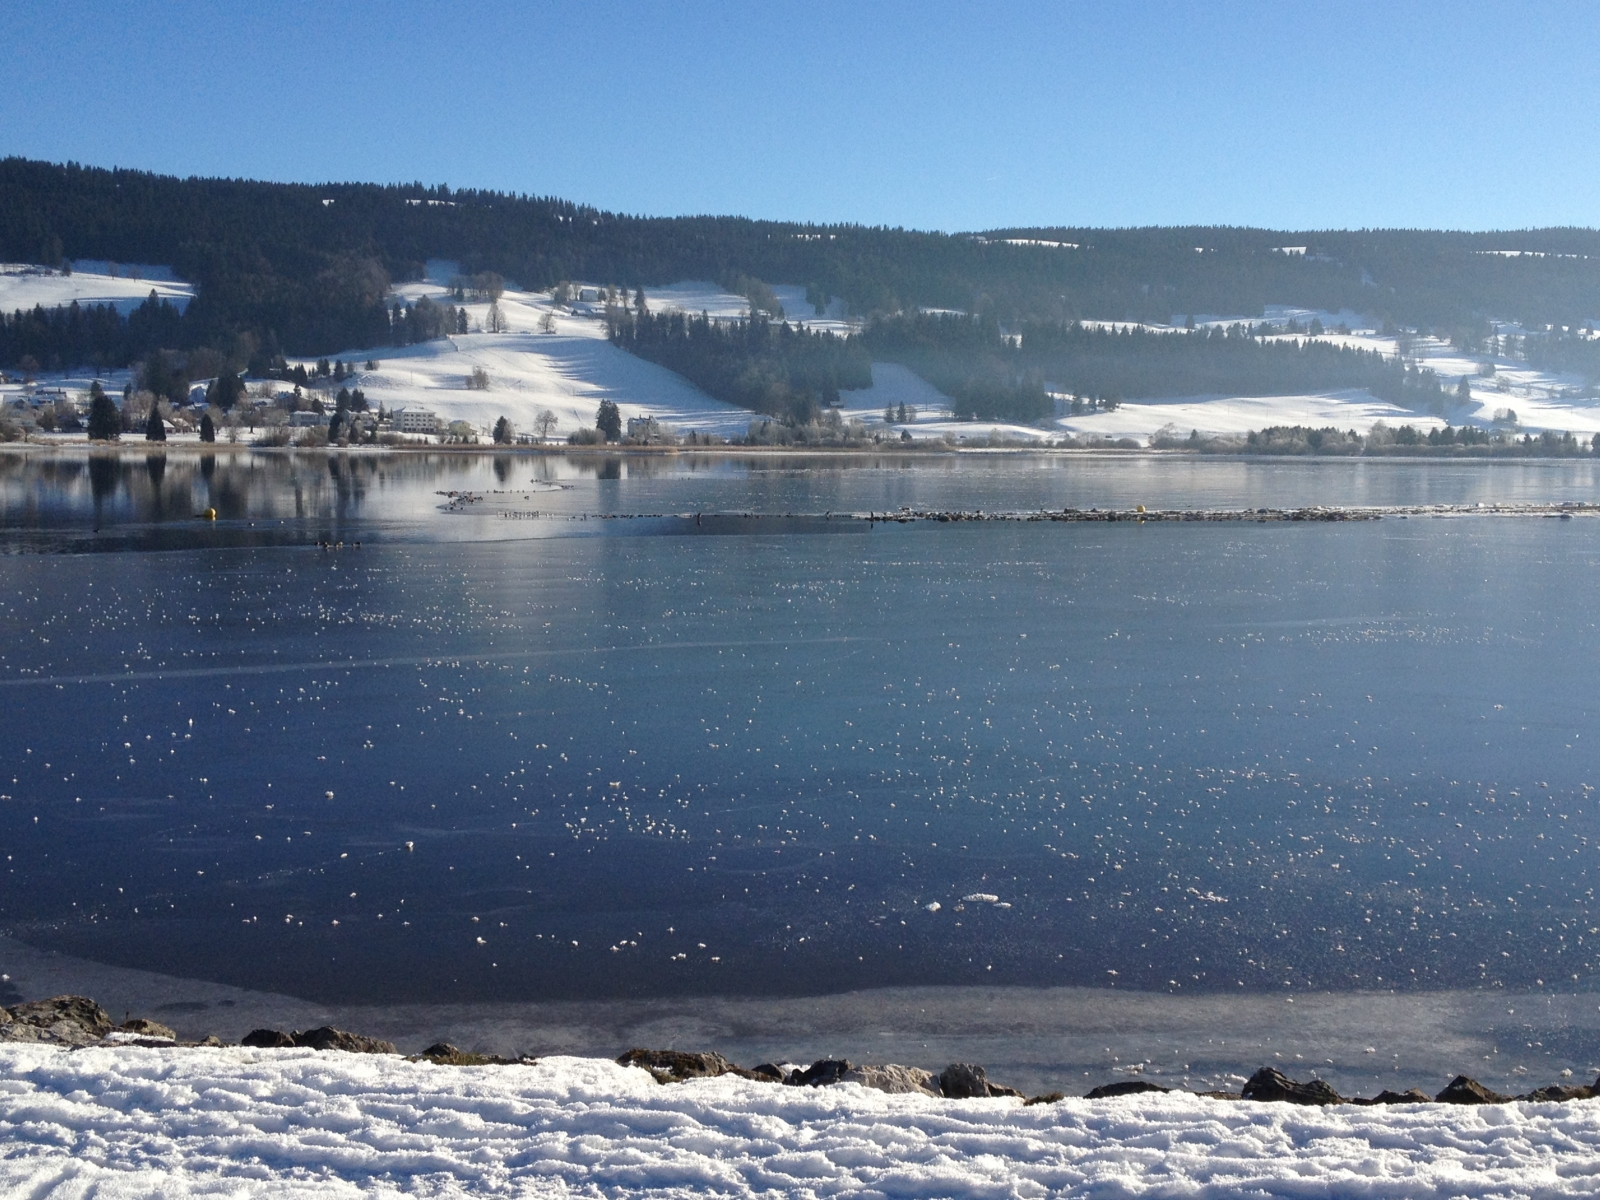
pixel 416 420
pixel 643 427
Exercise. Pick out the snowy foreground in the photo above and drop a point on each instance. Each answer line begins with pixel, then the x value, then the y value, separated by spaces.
pixel 134 1122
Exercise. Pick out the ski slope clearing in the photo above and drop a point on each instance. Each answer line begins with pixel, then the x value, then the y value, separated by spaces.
pixel 23 287
pixel 568 371
pixel 133 1122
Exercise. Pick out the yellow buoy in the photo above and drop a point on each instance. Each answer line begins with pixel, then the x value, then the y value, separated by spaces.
pixel 1141 508
pixel 209 514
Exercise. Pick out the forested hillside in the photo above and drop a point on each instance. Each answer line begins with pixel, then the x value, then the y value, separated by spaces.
pixel 307 267
pixel 777 370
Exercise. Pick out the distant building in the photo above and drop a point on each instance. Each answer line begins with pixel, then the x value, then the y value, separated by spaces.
pixel 644 427
pixel 416 420
pixel 307 420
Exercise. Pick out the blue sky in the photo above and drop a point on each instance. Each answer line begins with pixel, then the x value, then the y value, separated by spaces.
pixel 926 115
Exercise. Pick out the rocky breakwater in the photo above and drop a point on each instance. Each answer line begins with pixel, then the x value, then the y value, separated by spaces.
pixel 958 1081
pixel 1315 513
pixel 963 1081
pixel 72 1022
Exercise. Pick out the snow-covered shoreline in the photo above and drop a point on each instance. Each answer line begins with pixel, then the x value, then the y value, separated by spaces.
pixel 556 358
pixel 133 1122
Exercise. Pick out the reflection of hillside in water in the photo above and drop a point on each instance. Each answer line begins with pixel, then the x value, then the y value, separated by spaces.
pixel 135 497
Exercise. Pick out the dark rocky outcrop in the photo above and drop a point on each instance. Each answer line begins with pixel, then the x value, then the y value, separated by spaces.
pixel 445 1055
pixel 768 1072
pixel 1559 1093
pixel 674 1066
pixel 1047 1098
pixel 325 1038
pixel 965 1081
pixel 1220 1095
pixel 1124 1087
pixel 268 1039
pixel 1270 1084
pixel 147 1028
pixel 821 1073
pixel 1462 1090
pixel 329 1038
pixel 1409 1096
pixel 60 1020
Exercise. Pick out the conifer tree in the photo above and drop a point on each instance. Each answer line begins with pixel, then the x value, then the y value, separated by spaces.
pixel 154 430
pixel 105 422
pixel 609 421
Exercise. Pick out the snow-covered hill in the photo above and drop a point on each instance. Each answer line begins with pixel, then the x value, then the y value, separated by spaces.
pixel 133 1122
pixel 23 286
pixel 1540 400
pixel 569 369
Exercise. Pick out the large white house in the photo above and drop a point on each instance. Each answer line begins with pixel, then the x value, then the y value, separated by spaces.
pixel 416 420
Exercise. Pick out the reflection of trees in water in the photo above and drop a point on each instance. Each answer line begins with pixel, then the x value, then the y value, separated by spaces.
pixel 104 475
pixel 155 468
pixel 263 486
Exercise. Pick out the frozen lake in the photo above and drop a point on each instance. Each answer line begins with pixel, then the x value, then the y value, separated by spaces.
pixel 477 760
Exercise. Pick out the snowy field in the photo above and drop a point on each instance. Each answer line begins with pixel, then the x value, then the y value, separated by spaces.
pixel 1240 414
pixel 23 287
pixel 568 371
pixel 1541 400
pixel 129 1123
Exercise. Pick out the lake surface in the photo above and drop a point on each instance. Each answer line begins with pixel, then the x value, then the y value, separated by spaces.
pixel 487 759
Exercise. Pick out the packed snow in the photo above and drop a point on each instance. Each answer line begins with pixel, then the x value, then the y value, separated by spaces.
pixel 135 1122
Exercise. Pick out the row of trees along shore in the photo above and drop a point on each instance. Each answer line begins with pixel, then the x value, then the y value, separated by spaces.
pixel 1384 440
